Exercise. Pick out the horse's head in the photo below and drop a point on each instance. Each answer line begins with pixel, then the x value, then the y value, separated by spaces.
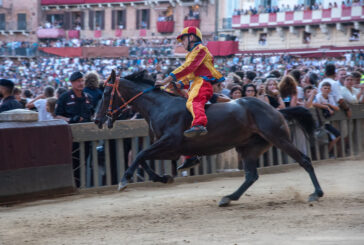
pixel 106 101
pixel 110 106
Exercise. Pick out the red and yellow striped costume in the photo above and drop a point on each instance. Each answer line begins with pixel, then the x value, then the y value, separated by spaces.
pixel 198 74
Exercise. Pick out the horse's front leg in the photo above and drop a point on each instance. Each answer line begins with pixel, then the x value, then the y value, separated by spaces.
pixel 161 149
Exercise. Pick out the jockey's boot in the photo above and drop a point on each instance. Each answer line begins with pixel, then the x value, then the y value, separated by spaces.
pixel 194 131
pixel 189 163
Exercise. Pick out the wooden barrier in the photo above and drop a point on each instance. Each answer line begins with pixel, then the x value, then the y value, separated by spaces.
pixel 35 160
pixel 103 155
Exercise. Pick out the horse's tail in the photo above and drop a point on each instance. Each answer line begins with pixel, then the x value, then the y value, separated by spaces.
pixel 302 116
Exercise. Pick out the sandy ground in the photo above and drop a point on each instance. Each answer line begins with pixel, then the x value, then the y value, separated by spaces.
pixel 273 211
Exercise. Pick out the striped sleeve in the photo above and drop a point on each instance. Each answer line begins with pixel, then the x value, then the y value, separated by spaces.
pixel 193 61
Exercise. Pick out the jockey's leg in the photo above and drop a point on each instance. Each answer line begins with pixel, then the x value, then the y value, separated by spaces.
pixel 200 92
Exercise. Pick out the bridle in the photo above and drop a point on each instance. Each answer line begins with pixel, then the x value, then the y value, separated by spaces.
pixel 115 86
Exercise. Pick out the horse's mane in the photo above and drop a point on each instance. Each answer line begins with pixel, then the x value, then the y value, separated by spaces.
pixel 140 77
pixel 144 77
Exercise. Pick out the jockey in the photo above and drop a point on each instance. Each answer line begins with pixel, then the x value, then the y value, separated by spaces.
pixel 198 74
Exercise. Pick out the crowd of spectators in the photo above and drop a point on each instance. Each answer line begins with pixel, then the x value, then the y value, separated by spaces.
pixel 298 7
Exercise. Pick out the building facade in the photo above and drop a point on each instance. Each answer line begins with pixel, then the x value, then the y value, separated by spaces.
pixel 295 25
pixel 105 19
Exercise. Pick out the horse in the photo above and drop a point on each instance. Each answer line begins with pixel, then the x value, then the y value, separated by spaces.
pixel 248 124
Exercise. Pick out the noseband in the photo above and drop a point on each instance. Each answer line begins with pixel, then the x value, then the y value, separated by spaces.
pixel 115 86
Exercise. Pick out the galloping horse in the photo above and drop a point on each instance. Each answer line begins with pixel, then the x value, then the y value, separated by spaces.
pixel 248 124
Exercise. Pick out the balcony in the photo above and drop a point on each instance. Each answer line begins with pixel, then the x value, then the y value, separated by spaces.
pixel 299 18
pixel 51 33
pixel 187 23
pixel 165 26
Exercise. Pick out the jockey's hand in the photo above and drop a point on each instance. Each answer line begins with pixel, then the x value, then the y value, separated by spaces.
pixel 159 83
pixel 164 81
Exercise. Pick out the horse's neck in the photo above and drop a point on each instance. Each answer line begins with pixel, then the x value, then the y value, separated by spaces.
pixel 153 103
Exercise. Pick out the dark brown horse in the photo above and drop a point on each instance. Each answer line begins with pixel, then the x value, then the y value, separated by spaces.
pixel 248 124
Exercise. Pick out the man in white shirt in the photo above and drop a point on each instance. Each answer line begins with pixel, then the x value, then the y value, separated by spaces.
pixel 330 74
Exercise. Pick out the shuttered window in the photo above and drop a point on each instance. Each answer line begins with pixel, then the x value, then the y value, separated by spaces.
pixel 22 21
pixel 143 19
pixel 2 21
pixel 118 19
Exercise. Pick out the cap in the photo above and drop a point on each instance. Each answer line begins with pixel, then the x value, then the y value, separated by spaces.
pixel 6 83
pixel 76 75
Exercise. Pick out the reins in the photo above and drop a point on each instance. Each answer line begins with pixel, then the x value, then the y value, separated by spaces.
pixel 115 86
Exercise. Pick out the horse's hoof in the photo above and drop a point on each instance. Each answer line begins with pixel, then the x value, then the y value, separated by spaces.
pixel 167 179
pixel 225 201
pixel 122 185
pixel 313 197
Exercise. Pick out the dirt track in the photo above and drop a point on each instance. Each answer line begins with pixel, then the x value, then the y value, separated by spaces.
pixel 273 211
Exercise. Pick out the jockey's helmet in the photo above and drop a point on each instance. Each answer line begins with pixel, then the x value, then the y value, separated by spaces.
pixel 191 30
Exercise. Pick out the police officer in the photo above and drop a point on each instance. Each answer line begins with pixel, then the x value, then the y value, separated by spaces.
pixel 75 106
pixel 8 101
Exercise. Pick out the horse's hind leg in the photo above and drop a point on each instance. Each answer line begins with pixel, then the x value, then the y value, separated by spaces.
pixel 304 161
pixel 250 153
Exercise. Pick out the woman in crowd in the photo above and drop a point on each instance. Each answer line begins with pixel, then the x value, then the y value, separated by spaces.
pixel 249 90
pixel 350 94
pixel 271 89
pixel 236 92
pixel 288 91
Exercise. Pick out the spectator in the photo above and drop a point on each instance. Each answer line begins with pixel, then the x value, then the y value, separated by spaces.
pixel 17 94
pixel 8 101
pixel 40 102
pixel 356 79
pixel 92 81
pixel 341 75
pixel 335 90
pixel 27 94
pixel 350 94
pixel 51 106
pixel 249 90
pixel 326 101
pixel 60 91
pixel 309 95
pixel 249 77
pixel 271 89
pixel 261 94
pixel 75 106
pixel 236 92
pixel 288 91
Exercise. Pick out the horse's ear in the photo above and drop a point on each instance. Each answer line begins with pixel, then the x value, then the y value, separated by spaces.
pixel 112 76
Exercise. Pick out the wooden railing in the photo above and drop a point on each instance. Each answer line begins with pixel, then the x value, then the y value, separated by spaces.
pixel 122 142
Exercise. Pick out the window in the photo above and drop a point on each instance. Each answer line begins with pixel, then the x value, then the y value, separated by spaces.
pixel 22 21
pixel 262 39
pixel 306 37
pixel 55 20
pixel 77 21
pixel 2 21
pixel 354 35
pixel 166 15
pixel 118 19
pixel 142 21
pixel 226 23
pixel 99 20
